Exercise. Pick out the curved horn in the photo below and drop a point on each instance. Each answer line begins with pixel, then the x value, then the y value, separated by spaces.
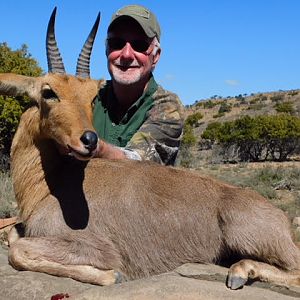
pixel 83 62
pixel 55 63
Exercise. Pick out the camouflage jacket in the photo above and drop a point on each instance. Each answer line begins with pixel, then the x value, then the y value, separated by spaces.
pixel 157 134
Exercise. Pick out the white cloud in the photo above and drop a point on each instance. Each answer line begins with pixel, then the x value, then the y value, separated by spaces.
pixel 232 82
pixel 169 77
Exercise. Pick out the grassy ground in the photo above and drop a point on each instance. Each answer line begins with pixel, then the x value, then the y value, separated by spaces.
pixel 7 199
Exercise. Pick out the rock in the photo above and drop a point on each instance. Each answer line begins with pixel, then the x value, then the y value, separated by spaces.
pixel 283 184
pixel 296 221
pixel 188 282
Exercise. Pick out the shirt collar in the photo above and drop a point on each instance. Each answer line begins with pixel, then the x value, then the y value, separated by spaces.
pixel 113 102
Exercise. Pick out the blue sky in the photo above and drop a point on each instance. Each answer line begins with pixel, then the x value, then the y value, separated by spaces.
pixel 211 47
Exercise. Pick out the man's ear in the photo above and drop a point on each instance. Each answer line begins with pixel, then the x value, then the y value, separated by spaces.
pixel 156 57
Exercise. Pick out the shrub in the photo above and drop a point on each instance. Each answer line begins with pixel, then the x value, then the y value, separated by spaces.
pixel 192 120
pixel 188 138
pixel 277 98
pixel 256 106
pixel 10 113
pixel 212 131
pixel 224 107
pixel 185 157
pixel 263 98
pixel 240 98
pixel 19 62
pixel 293 93
pixel 209 104
pixel 219 115
pixel 255 100
pixel 258 138
pixel 285 107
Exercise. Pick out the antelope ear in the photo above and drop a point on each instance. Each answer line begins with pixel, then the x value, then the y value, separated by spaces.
pixel 18 85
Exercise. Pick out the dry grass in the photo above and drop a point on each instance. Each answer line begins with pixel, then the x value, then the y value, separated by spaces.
pixel 7 198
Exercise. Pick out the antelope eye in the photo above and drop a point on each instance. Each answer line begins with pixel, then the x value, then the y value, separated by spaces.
pixel 48 94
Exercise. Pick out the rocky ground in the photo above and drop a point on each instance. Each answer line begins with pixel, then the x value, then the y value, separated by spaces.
pixel 188 282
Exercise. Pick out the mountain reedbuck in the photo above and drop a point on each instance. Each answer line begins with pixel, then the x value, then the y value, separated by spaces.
pixel 101 221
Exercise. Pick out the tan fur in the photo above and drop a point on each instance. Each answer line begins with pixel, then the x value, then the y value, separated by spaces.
pixel 92 220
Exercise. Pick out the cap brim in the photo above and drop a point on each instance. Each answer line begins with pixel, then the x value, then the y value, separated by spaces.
pixel 149 33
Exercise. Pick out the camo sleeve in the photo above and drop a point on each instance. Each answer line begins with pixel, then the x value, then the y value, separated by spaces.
pixel 158 139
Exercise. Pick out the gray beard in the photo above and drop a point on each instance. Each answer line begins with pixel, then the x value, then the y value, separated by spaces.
pixel 120 78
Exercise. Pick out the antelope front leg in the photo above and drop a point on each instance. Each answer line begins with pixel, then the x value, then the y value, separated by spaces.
pixel 29 254
pixel 240 272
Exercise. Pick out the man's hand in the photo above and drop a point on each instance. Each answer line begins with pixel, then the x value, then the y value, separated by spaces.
pixel 108 151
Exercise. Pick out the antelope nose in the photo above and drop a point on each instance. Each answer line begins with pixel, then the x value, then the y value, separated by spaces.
pixel 90 140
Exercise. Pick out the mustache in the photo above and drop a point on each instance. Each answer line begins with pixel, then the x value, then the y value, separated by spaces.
pixel 125 64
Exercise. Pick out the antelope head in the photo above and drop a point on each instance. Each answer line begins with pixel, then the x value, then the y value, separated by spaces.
pixel 63 102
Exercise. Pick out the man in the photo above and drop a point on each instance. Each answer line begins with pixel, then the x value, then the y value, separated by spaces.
pixel 133 115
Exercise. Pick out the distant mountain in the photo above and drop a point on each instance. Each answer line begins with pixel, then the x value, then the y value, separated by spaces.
pixel 230 108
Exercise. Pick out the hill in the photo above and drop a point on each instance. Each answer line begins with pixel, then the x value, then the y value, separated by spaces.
pixel 254 104
pixel 217 109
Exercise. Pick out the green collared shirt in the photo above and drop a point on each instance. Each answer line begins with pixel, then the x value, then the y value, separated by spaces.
pixel 151 129
pixel 119 132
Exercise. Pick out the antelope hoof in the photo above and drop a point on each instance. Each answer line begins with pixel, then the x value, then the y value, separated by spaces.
pixel 235 282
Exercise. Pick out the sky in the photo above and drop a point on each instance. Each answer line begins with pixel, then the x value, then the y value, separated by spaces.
pixel 210 47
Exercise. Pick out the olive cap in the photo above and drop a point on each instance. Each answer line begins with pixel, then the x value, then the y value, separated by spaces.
pixel 142 15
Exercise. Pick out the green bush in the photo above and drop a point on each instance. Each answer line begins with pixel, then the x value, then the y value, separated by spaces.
pixel 277 98
pixel 219 115
pixel 256 106
pixel 199 104
pixel 20 62
pixel 192 120
pixel 209 104
pixel 255 100
pixel 185 157
pixel 258 138
pixel 240 98
pixel 188 138
pixel 263 98
pixel 285 107
pixel 212 131
pixel 293 93
pixel 224 107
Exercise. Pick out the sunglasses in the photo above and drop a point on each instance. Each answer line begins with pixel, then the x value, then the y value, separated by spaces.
pixel 119 43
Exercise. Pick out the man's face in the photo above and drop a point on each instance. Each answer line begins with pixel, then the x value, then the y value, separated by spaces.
pixel 129 51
